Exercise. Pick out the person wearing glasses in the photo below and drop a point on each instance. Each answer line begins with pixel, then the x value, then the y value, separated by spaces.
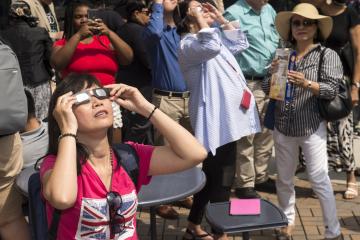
pixel 81 177
pixel 222 108
pixel 297 121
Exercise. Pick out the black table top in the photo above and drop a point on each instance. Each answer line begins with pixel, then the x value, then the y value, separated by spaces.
pixel 165 189
pixel 218 216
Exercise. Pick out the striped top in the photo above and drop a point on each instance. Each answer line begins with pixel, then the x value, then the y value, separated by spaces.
pixel 216 83
pixel 300 117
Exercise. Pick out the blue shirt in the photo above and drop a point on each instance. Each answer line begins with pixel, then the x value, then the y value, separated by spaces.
pixel 261 33
pixel 162 43
pixel 217 85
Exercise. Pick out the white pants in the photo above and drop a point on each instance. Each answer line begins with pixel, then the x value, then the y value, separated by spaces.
pixel 286 156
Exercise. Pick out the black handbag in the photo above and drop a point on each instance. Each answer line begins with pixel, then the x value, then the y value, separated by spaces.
pixel 341 105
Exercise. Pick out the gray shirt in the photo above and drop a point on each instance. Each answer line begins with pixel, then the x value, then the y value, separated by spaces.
pixel 35 144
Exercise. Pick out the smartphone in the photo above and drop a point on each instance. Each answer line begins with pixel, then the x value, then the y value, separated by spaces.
pixel 93 14
pixel 93 18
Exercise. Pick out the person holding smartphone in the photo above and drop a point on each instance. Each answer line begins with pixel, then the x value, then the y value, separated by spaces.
pixel 89 46
pixel 222 109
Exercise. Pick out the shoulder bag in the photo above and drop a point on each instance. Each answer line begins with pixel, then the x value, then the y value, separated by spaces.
pixel 341 105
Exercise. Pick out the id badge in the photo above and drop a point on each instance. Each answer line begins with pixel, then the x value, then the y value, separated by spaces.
pixel 246 99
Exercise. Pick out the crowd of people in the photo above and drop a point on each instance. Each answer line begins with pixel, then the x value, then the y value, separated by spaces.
pixel 183 83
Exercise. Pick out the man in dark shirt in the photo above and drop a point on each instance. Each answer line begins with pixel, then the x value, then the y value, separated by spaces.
pixel 136 128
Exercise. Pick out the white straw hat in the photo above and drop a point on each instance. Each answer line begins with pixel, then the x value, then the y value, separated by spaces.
pixel 306 10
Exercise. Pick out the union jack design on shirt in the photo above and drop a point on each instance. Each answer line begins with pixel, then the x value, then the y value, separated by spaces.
pixel 94 218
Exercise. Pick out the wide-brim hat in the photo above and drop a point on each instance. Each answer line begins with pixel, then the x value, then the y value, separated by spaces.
pixel 306 10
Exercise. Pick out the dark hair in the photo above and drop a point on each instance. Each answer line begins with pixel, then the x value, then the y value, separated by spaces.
pixel 31 20
pixel 4 13
pixel 340 2
pixel 69 29
pixel 74 82
pixel 30 104
pixel 183 23
pixel 132 6
pixel 317 39
pixel 120 8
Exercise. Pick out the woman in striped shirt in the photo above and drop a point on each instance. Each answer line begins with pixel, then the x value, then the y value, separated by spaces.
pixel 297 121
pixel 221 108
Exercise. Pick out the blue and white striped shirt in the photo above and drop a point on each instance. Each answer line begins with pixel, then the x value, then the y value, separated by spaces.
pixel 216 83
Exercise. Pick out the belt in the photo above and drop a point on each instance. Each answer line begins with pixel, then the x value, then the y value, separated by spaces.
pixel 253 78
pixel 172 94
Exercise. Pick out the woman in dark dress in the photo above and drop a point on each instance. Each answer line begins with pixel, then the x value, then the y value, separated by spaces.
pixel 340 133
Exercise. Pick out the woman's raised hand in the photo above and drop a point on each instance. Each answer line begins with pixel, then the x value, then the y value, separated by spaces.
pixel 297 78
pixel 130 98
pixel 64 115
pixel 195 12
pixel 214 12
pixel 85 31
pixel 274 67
pixel 102 28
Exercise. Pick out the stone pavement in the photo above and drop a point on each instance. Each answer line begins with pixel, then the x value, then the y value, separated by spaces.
pixel 308 222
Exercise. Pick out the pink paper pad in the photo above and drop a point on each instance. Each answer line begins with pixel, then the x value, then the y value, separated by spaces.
pixel 244 206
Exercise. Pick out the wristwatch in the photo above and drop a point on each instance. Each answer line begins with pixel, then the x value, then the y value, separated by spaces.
pixel 356 84
pixel 308 86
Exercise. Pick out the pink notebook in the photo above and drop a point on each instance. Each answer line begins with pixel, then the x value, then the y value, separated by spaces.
pixel 245 206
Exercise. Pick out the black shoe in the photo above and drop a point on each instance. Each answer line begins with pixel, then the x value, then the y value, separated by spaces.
pixel 267 186
pixel 247 192
pixel 300 169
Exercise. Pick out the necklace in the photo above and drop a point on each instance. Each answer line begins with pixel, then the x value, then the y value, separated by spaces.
pixel 112 166
pixel 110 158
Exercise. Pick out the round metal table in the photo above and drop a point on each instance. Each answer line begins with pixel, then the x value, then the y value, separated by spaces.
pixel 169 188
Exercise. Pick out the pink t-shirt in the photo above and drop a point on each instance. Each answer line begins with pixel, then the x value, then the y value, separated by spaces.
pixel 95 58
pixel 89 217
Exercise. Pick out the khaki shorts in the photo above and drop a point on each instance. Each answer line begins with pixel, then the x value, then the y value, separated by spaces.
pixel 10 165
pixel 10 203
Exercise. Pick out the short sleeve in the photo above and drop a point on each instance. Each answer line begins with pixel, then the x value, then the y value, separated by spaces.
pixel 354 18
pixel 144 152
pixel 47 164
pixel 59 43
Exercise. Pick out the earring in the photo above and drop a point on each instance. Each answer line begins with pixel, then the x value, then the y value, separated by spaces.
pixel 328 2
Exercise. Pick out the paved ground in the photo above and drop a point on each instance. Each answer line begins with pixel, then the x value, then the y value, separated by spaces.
pixel 309 218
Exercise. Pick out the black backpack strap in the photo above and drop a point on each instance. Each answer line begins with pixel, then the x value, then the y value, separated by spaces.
pixel 128 158
pixel 52 234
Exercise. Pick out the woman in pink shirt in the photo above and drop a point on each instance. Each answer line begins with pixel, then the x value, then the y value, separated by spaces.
pixel 89 46
pixel 81 177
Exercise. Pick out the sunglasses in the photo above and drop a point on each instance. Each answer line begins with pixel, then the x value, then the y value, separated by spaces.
pixel 85 96
pixel 146 12
pixel 117 221
pixel 305 23
pixel 198 9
